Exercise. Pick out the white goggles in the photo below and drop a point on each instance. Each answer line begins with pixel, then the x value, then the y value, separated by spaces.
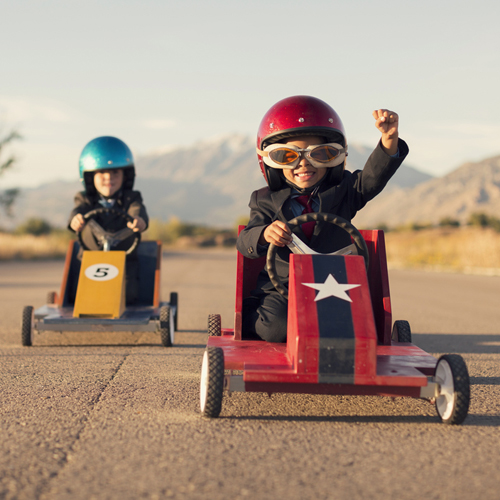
pixel 288 155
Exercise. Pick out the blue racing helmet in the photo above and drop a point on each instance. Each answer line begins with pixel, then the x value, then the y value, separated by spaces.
pixel 105 153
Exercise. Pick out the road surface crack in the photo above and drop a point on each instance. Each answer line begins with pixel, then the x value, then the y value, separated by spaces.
pixel 86 418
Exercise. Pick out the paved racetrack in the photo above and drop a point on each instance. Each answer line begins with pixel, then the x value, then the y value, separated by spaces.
pixel 105 416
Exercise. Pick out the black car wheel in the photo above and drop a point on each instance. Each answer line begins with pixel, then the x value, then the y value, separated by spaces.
pixel 166 327
pixel 214 325
pixel 27 326
pixel 452 376
pixel 212 382
pixel 401 331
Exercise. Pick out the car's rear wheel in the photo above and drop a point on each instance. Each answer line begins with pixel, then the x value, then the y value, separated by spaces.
pixel 401 331
pixel 166 326
pixel 212 382
pixel 452 402
pixel 27 326
pixel 214 325
pixel 51 297
pixel 174 301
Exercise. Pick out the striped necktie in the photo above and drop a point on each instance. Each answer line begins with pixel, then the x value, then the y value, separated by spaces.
pixel 308 227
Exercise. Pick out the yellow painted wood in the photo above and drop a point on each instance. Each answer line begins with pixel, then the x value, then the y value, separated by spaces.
pixel 101 285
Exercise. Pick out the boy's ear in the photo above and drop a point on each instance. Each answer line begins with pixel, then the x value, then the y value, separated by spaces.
pixel 88 178
pixel 128 178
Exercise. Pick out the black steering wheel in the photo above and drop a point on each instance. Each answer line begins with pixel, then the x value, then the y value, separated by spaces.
pixel 105 239
pixel 358 239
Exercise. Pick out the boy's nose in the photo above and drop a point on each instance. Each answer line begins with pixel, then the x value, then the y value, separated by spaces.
pixel 303 160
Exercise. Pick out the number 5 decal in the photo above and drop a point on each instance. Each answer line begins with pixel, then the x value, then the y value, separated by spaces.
pixel 101 272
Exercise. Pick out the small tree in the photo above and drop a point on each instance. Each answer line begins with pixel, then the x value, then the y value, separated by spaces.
pixel 449 222
pixel 8 196
pixel 34 226
pixel 484 220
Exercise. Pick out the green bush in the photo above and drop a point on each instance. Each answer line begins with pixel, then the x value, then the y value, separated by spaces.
pixel 484 220
pixel 171 231
pixel 449 222
pixel 34 226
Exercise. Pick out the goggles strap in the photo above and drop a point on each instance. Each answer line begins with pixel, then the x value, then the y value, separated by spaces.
pixel 261 152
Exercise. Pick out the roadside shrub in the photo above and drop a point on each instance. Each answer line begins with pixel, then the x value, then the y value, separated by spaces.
pixel 484 220
pixel 418 226
pixel 35 227
pixel 449 222
pixel 176 231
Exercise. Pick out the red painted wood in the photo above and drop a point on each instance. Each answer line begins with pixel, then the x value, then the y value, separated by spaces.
pixel 401 349
pixel 333 389
pixel 247 272
pixel 303 332
pixel 378 278
pixel 363 321
pixel 257 353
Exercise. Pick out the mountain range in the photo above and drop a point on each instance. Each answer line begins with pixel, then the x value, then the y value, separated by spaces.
pixel 211 183
pixel 473 187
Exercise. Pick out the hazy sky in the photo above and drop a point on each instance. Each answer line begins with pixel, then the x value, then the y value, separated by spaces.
pixel 165 73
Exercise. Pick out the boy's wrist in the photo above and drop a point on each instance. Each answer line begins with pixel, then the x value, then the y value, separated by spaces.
pixel 390 144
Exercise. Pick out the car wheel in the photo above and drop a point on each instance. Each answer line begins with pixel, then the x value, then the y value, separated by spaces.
pixel 27 326
pixel 174 301
pixel 166 327
pixel 51 297
pixel 452 402
pixel 214 325
pixel 401 331
pixel 212 382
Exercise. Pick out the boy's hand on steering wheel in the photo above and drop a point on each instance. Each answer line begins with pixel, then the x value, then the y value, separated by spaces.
pixel 278 233
pixel 138 225
pixel 77 223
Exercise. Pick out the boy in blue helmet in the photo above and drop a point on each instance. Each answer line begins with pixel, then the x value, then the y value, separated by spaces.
pixel 301 148
pixel 107 173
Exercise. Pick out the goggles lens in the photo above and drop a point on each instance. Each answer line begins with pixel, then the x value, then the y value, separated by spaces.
pixel 284 156
pixel 288 156
pixel 324 154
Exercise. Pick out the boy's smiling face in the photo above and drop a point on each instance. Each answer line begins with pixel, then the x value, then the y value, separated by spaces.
pixel 305 175
pixel 108 182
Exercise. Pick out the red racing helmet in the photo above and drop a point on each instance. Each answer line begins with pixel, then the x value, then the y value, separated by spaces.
pixel 297 116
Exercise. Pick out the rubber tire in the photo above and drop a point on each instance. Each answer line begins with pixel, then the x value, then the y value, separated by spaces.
pixel 214 325
pixel 27 326
pixel 174 301
pixel 212 382
pixel 165 333
pixel 51 297
pixel 460 399
pixel 401 331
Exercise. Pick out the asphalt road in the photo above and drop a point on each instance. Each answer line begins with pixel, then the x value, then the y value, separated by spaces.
pixel 107 416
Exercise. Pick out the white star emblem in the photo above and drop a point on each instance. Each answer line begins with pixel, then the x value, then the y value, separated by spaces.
pixel 331 288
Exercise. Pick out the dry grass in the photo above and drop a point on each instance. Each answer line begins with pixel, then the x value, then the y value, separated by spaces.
pixel 466 249
pixel 27 247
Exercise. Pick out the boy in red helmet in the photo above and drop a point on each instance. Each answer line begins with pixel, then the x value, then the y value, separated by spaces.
pixel 301 146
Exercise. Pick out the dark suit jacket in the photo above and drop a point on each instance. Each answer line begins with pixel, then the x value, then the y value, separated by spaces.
pixel 129 201
pixel 344 199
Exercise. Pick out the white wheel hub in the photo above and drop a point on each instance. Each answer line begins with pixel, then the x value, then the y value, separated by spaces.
pixel 445 402
pixel 204 382
pixel 172 329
